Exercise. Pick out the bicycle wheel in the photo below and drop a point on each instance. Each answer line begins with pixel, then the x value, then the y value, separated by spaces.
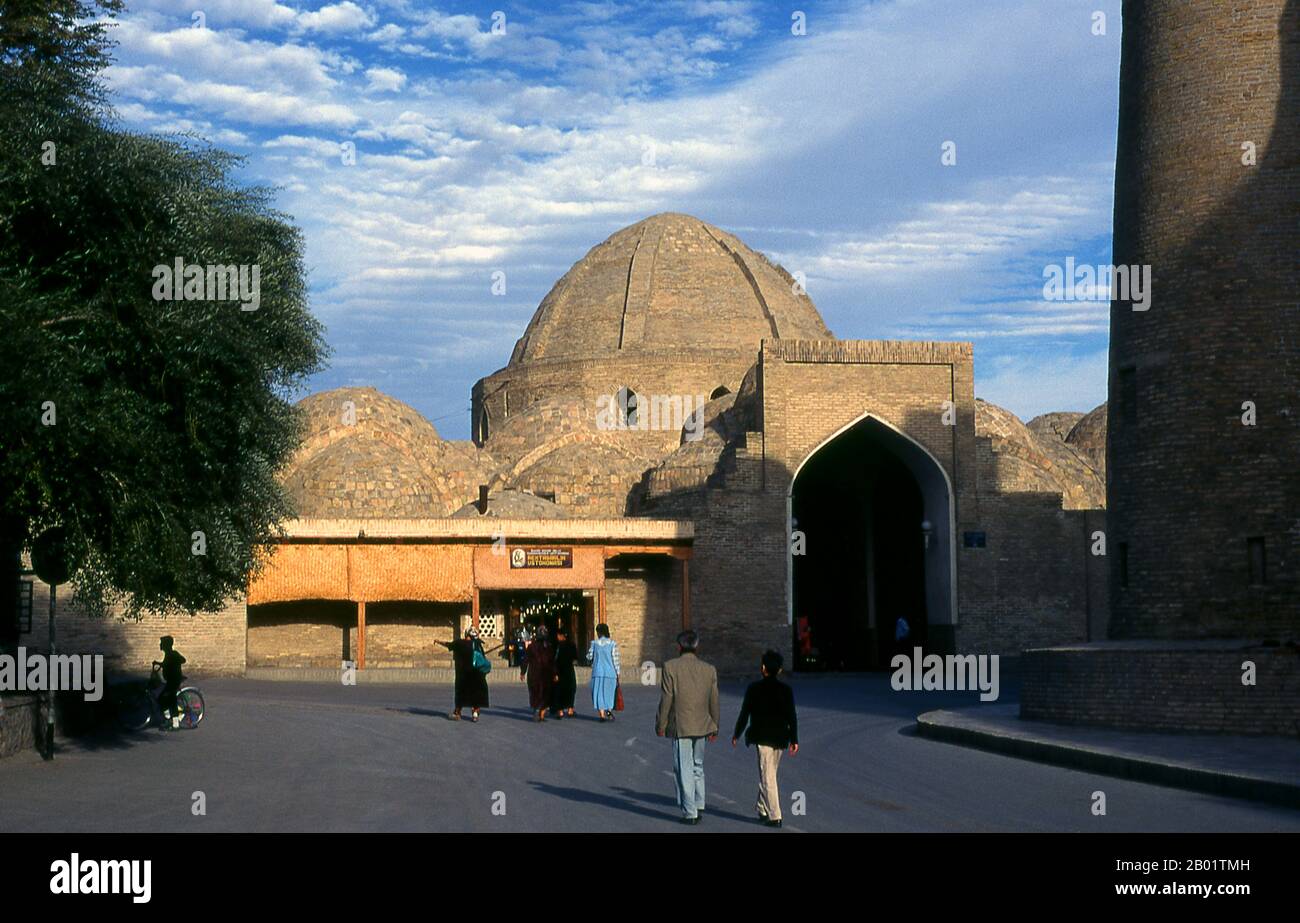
pixel 134 710
pixel 189 702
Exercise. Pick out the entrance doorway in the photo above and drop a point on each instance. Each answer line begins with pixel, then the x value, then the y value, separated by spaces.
pixel 873 508
pixel 530 609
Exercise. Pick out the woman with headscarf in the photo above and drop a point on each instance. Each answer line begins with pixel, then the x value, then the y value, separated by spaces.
pixel 566 680
pixel 602 654
pixel 471 682
pixel 541 673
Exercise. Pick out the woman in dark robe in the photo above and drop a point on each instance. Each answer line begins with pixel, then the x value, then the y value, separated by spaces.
pixel 541 673
pixel 471 684
pixel 566 681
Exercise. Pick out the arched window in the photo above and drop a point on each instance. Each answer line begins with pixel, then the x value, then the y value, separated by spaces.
pixel 627 407
pixel 482 426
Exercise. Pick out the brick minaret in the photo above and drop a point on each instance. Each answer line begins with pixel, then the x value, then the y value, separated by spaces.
pixel 1203 510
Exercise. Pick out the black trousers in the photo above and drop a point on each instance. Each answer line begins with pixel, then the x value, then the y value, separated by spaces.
pixel 167 698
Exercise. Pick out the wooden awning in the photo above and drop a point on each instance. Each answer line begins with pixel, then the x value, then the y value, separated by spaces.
pixel 365 573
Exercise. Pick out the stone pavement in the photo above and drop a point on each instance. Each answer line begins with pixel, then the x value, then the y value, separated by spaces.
pixel 300 756
pixel 1259 768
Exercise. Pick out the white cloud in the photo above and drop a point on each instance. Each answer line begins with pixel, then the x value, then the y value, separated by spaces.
pixel 385 79
pixel 822 144
pixel 223 14
pixel 336 19
pixel 238 104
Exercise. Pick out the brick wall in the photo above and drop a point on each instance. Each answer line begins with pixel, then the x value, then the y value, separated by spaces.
pixel 1034 583
pixel 643 610
pixel 212 642
pixel 311 633
pixel 1189 484
pixel 20 723
pixel 1171 688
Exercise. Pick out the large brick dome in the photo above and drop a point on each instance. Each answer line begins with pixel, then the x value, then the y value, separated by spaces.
pixel 668 282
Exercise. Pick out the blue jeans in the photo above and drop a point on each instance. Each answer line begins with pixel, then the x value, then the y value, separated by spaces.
pixel 688 760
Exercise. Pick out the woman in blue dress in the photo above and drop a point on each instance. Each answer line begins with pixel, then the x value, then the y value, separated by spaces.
pixel 602 654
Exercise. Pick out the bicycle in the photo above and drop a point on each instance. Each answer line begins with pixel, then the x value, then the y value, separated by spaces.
pixel 138 706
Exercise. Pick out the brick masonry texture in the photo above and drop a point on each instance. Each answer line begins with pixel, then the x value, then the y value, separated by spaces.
pixel 669 308
pixel 1178 688
pixel 212 642
pixel 20 723
pixel 1189 484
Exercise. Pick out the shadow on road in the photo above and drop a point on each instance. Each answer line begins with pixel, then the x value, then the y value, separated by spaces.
pixel 109 739
pixel 584 796
pixel 710 811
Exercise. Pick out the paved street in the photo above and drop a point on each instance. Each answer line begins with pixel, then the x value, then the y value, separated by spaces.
pixel 303 756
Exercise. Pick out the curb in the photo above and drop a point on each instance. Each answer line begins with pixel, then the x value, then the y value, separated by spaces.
pixel 1143 769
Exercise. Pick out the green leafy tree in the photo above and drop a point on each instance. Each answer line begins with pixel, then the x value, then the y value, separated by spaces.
pixel 150 429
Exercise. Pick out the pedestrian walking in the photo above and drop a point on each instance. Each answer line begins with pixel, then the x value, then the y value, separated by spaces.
pixel 522 640
pixel 688 713
pixel 540 667
pixel 566 679
pixel 602 654
pixel 902 632
pixel 471 666
pixel 768 721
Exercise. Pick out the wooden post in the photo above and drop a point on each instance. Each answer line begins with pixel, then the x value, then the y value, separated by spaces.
pixel 474 610
pixel 686 594
pixel 361 635
pixel 601 600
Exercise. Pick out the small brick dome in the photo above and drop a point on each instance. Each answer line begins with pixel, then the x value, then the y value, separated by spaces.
pixel 363 478
pixel 1088 436
pixel 1027 462
pixel 512 504
pixel 365 455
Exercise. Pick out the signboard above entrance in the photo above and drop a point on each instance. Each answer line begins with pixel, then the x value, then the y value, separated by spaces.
pixel 540 557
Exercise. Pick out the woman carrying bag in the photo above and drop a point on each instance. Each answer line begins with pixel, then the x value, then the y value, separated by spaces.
pixel 602 654
pixel 472 667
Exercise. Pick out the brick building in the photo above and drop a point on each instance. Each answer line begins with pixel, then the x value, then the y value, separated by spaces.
pixel 1204 497
pixel 679 421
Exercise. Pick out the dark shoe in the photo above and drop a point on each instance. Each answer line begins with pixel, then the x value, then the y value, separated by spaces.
pixel 691 821
pixel 455 716
pixel 771 823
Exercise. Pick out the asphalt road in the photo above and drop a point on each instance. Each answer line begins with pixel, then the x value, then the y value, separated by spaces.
pixel 274 756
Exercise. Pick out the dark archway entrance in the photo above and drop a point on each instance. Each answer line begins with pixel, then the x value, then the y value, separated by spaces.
pixel 863 502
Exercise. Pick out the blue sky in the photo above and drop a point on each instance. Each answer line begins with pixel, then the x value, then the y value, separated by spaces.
pixel 478 153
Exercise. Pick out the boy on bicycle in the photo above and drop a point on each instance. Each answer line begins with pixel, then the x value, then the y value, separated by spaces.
pixel 172 679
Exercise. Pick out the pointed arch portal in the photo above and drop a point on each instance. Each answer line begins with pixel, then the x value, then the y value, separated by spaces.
pixel 876 513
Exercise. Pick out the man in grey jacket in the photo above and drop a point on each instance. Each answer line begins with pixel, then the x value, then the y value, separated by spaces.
pixel 688 713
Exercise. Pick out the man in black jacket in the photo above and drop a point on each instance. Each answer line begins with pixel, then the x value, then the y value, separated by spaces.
pixel 768 710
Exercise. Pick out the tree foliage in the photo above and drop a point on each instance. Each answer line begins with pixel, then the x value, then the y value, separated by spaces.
pixel 170 417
